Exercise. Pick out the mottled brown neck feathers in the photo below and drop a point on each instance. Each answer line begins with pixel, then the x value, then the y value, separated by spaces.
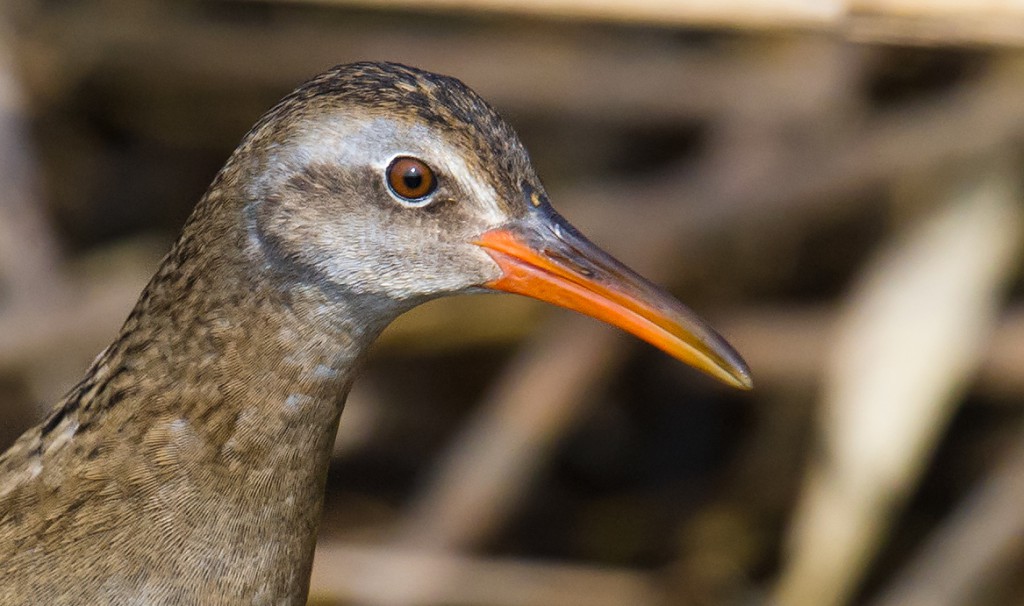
pixel 206 427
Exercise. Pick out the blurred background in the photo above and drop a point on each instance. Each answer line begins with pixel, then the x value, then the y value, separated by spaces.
pixel 834 185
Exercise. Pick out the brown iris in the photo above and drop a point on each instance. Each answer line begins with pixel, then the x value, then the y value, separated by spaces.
pixel 411 179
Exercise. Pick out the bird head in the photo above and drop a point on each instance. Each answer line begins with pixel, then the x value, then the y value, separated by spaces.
pixel 390 183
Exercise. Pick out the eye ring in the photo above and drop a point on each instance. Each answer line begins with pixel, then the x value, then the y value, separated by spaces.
pixel 410 179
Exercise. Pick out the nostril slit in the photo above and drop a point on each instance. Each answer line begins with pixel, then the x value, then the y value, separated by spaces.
pixel 570 262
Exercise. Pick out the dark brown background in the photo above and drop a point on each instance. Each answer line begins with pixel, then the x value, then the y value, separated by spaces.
pixel 764 164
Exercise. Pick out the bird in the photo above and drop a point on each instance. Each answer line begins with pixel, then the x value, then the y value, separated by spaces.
pixel 188 466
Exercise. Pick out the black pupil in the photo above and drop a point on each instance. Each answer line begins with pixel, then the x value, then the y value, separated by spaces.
pixel 412 178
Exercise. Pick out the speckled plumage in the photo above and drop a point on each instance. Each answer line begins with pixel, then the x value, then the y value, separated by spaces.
pixel 188 466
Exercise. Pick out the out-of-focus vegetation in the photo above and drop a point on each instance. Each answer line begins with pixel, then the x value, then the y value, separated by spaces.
pixel 835 186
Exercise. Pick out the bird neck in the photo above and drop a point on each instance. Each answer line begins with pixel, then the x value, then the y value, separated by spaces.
pixel 213 414
pixel 242 377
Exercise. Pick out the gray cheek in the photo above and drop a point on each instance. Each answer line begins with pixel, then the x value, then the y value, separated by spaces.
pixel 487 268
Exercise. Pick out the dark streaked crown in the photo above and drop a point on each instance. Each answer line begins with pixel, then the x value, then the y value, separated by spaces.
pixel 397 91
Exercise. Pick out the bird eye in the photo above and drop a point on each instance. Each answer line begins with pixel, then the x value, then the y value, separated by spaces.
pixel 410 179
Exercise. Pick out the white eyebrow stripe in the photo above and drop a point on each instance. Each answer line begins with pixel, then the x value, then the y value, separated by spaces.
pixel 371 140
pixel 481 189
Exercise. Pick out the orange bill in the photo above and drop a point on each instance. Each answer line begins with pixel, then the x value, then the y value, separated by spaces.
pixel 547 259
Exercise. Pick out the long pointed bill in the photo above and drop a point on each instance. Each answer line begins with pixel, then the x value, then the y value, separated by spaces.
pixel 547 259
